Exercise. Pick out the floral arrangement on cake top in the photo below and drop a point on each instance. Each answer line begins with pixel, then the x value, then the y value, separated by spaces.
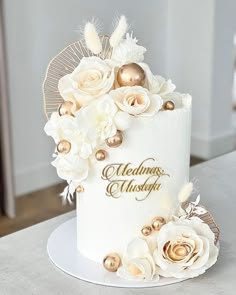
pixel 95 90
pixel 99 98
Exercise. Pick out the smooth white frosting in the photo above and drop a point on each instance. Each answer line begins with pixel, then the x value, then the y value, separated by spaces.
pixel 106 224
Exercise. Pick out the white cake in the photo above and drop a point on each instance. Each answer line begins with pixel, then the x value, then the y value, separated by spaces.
pixel 111 222
pixel 122 138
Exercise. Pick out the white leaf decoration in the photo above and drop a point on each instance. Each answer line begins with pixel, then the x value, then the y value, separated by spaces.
pixel 200 210
pixel 197 201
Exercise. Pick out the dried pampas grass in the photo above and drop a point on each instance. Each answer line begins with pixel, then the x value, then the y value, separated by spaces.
pixel 92 39
pixel 185 192
pixel 119 31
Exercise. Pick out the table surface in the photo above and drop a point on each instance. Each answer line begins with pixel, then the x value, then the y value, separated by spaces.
pixel 26 269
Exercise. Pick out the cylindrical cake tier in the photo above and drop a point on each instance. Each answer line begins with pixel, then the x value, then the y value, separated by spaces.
pixel 137 181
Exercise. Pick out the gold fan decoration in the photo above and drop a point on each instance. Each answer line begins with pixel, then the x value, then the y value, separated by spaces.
pixel 65 63
pixel 206 218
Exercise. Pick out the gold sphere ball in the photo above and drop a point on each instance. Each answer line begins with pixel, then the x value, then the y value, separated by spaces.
pixel 146 230
pixel 100 155
pixel 157 223
pixel 115 140
pixel 169 105
pixel 131 75
pixel 63 147
pixel 80 189
pixel 65 108
pixel 112 262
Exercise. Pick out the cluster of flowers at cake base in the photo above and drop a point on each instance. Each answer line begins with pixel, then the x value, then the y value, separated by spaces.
pixel 184 249
pixel 102 99
pixel 184 246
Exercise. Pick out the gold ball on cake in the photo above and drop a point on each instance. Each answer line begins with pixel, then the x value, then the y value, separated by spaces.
pixel 112 262
pixel 169 105
pixel 115 140
pixel 100 155
pixel 131 75
pixel 65 108
pixel 63 147
pixel 157 223
pixel 80 189
pixel 146 230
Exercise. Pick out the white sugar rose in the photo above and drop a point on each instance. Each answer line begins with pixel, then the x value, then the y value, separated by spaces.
pixel 136 101
pixel 67 128
pixel 155 83
pixel 93 77
pixel 138 263
pixel 128 51
pixel 185 248
pixel 101 119
pixel 71 168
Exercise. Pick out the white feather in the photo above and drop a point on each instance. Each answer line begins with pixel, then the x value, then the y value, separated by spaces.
pixel 92 39
pixel 185 192
pixel 119 32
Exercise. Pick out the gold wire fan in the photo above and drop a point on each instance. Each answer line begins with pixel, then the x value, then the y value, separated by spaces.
pixel 65 63
pixel 208 219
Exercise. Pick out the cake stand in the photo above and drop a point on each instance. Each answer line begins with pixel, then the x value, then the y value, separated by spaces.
pixel 63 252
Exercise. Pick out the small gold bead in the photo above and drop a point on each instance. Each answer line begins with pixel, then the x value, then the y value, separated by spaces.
pixel 112 262
pixel 169 105
pixel 146 230
pixel 100 155
pixel 65 108
pixel 157 223
pixel 63 147
pixel 80 189
pixel 115 140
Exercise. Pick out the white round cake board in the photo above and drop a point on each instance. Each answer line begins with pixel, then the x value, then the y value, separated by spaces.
pixel 62 250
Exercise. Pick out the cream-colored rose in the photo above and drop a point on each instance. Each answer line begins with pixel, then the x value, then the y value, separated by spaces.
pixel 67 128
pixel 93 77
pixel 71 167
pixel 185 249
pixel 136 101
pixel 138 263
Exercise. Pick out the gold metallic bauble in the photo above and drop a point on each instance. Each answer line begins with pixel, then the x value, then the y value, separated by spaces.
pixel 80 189
pixel 115 140
pixel 112 262
pixel 65 108
pixel 100 155
pixel 63 147
pixel 157 223
pixel 131 75
pixel 169 105
pixel 146 230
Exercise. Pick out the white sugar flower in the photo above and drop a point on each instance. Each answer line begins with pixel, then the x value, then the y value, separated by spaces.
pixel 157 84
pixel 101 119
pixel 185 248
pixel 71 168
pixel 128 51
pixel 136 101
pixel 67 128
pixel 138 263
pixel 92 78
pixel 57 126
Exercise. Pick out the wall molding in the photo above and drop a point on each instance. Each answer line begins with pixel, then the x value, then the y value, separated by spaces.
pixel 214 146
